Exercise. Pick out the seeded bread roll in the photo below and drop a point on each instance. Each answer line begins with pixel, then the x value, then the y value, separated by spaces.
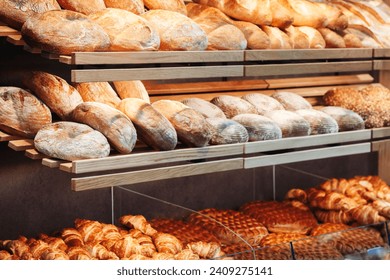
pixel 98 92
pixel 262 102
pixel 233 105
pixel 291 101
pixel 259 127
pixel 134 6
pixel 131 89
pixel 290 123
pixel 226 131
pixel 82 6
pixel 346 119
pixel 320 122
pixel 206 108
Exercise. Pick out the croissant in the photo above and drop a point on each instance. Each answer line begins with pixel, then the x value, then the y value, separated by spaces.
pixel 186 254
pixel 335 185
pixel 137 257
pixel 4 255
pixel 110 231
pixel 91 231
pixel 383 207
pixel 365 215
pixel 37 248
pixel 329 216
pixel 333 201
pixel 138 222
pixel 296 194
pixel 206 250
pixel 72 237
pixel 314 194
pixel 298 204
pixel 17 248
pixel 147 246
pixel 128 246
pixel 54 254
pixel 55 243
pixel 167 243
pixel 100 252
pixel 163 256
pixel 78 253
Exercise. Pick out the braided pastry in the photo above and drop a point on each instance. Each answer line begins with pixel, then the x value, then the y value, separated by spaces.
pixel 365 215
pixel 138 222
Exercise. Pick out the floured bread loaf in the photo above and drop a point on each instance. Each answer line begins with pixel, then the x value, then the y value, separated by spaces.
pixel 290 123
pixel 259 127
pixel 320 122
pixel 299 40
pixel 315 38
pixel 346 119
pixel 291 101
pixel 278 39
pixel 127 31
pixel 226 131
pixel 332 39
pixel 170 5
pixel 134 6
pixel 98 92
pixel 71 141
pixel 64 32
pixel 256 38
pixel 305 13
pixel 191 127
pixel 153 128
pixel 15 13
pixel 206 108
pixel 112 123
pixel 177 31
pixel 233 105
pixel 221 33
pixel 55 92
pixel 82 6
pixel 262 102
pixel 21 113
pixel 131 89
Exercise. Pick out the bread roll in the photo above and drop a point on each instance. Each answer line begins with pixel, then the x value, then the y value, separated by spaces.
pixel 127 31
pixel 15 13
pixel 278 39
pixel 21 113
pixel 55 92
pixel 332 39
pixel 299 40
pixel 134 6
pixel 352 41
pixel 226 131
pixel 82 6
pixel 112 123
pixel 305 13
pixel 281 15
pixel 191 127
pixel 233 105
pixel 263 103
pixel 98 92
pixel 291 101
pixel 152 127
pixel 315 38
pixel 337 21
pixel 346 119
pixel 290 123
pixel 177 31
pixel 131 89
pixel 64 32
pixel 71 141
pixel 320 122
pixel 206 108
pixel 259 127
pixel 170 5
pixel 221 33
pixel 256 38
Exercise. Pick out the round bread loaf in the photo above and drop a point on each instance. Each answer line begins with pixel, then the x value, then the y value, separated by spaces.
pixel 226 131
pixel 206 108
pixel 290 123
pixel 134 6
pixel 263 103
pixel 131 89
pixel 55 92
pixel 21 113
pixel 112 123
pixel 98 92
pixel 177 31
pixel 259 127
pixel 127 31
pixel 82 6
pixel 64 32
pixel 15 13
pixel 233 105
pixel 71 141
pixel 170 5
pixel 320 122
pixel 191 127
pixel 346 119
pixel 153 128
pixel 291 101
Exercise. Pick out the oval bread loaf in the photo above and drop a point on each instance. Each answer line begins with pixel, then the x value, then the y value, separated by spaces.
pixel 320 122
pixel 233 105
pixel 131 89
pixel 21 113
pixel 291 101
pixel 226 131
pixel 290 123
pixel 134 6
pixel 112 123
pixel 191 127
pixel 153 128
pixel 206 108
pixel 263 103
pixel 346 119
pixel 55 92
pixel 98 92
pixel 170 5
pixel 71 141
pixel 82 6
pixel 259 127
pixel 256 38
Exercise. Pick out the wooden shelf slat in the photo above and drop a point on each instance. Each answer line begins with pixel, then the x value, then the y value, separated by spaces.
pixel 4 137
pixel 16 40
pixel 51 163
pixel 6 31
pixel 384 53
pixel 380 132
pixel 381 65
pixel 21 145
pixel 34 154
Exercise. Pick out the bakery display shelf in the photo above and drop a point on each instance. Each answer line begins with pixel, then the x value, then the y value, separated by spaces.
pixel 383 132
pixel 381 64
pixel 382 53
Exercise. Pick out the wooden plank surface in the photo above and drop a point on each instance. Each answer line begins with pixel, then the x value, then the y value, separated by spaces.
pixel 130 178
pixel 381 64
pixel 52 163
pixel 314 154
pixel 383 149
pixel 380 132
pixel 6 31
pixel 21 145
pixel 16 40
pixel 34 154
pixel 385 53
pixel 4 137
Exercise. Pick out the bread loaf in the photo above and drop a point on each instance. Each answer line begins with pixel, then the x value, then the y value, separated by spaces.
pixel 170 5
pixel 291 101
pixel 177 31
pixel 281 15
pixel 256 38
pixel 320 122
pixel 152 127
pixel 64 32
pixel 221 33
pixel 352 41
pixel 127 31
pixel 191 127
pixel 98 92
pixel 55 92
pixel 263 103
pixel 71 141
pixel 112 123
pixel 134 6
pixel 337 21
pixel 259 127
pixel 278 39
pixel 332 39
pixel 299 40
pixel 305 13
pixel 346 119
pixel 206 108
pixel 290 123
pixel 226 131
pixel 233 105
pixel 15 13
pixel 131 89
pixel 316 41
pixel 21 113
pixel 82 6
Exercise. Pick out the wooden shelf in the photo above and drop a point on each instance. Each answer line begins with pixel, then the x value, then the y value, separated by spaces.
pixel 382 132
pixel 384 53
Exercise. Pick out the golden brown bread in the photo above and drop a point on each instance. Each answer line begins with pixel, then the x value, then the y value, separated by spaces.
pixel 305 13
pixel 170 5
pixel 131 89
pixel 332 216
pixel 134 6
pixel 296 194
pixel 316 41
pixel 138 222
pixel 99 252
pixel 352 41
pixel 278 39
pixel 337 21
pixel 167 243
pixel 332 39
pixel 72 237
pixel 98 92
pixel 206 250
pixel 256 38
pixel 82 6
pixel 366 215
pixel 281 15
pixel 298 39
pixel 78 253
